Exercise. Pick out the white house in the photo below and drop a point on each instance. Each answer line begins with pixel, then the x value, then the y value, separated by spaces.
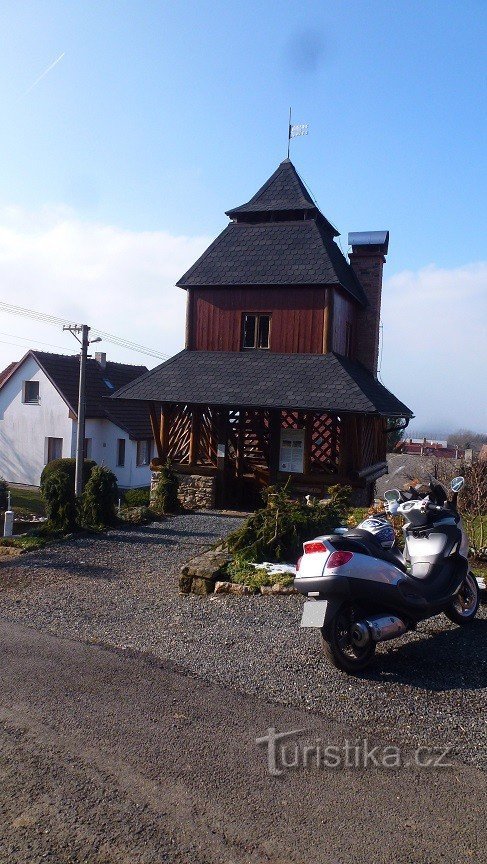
pixel 38 418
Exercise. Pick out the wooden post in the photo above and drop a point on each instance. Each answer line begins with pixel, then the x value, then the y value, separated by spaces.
pixel 164 432
pixel 156 432
pixel 194 435
pixel 189 319
pixel 240 443
pixel 308 439
pixel 274 444
pixel 221 454
pixel 347 445
pixel 328 322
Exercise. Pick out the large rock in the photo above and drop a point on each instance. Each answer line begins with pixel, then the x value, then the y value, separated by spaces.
pixel 233 588
pixel 273 590
pixel 200 574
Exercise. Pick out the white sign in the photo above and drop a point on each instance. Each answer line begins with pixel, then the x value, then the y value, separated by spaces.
pixel 220 452
pixel 291 457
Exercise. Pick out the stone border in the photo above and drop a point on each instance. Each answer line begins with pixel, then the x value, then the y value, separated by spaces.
pixel 204 575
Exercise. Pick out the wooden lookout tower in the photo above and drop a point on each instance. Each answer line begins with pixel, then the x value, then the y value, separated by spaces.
pixel 278 377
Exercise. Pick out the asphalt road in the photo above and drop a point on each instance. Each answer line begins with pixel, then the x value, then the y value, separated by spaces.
pixel 108 757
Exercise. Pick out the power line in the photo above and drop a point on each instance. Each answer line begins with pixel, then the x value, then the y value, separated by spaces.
pixel 30 341
pixel 45 318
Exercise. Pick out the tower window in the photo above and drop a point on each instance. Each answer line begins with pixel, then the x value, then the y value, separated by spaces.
pixel 256 331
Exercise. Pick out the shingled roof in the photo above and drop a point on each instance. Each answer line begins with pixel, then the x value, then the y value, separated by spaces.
pixel 318 382
pixel 284 190
pixel 278 238
pixel 63 371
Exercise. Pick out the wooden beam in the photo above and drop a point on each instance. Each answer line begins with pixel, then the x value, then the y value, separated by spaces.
pixel 328 321
pixel 199 470
pixel 164 432
pixel 378 469
pixel 194 435
pixel 155 426
pixel 239 461
pixel 308 438
pixel 221 455
pixel 190 304
pixel 274 443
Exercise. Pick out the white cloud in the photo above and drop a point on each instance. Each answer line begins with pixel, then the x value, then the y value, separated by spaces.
pixel 434 353
pixel 434 347
pixel 121 281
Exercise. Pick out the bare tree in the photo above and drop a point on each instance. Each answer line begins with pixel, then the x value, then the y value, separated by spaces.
pixel 467 439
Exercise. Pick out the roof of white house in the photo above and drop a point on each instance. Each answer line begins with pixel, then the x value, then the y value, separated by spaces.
pixel 101 381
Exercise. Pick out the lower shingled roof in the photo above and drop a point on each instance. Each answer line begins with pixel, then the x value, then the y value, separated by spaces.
pixel 319 382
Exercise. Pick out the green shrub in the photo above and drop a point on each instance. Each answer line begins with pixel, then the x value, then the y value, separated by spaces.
pixel 68 466
pixel 3 494
pixel 277 531
pixel 137 497
pixel 137 515
pixel 57 492
pixel 165 494
pixel 99 499
pixel 27 542
pixel 244 573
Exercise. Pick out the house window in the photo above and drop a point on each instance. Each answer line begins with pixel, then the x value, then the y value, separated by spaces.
pixel 143 452
pixel 256 331
pixel 121 453
pixel 87 447
pixel 31 392
pixel 54 449
pixel 348 339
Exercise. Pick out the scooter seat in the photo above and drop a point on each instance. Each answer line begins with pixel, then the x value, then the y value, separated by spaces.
pixel 364 543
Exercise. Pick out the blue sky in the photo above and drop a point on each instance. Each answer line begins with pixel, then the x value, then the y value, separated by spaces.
pixel 161 115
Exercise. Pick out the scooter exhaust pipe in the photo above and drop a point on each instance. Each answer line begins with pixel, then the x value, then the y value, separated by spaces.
pixel 379 628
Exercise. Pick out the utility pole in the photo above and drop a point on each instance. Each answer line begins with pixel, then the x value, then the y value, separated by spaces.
pixel 83 329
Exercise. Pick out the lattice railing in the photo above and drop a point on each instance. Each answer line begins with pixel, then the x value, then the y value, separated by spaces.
pixel 291 420
pixel 179 420
pixel 207 438
pixel 325 444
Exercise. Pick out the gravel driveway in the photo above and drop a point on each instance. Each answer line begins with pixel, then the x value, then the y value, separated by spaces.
pixel 121 589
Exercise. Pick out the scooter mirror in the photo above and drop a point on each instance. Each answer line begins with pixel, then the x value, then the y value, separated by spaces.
pixel 457 483
pixel 392 495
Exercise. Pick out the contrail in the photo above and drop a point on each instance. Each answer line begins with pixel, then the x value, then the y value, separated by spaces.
pixel 44 73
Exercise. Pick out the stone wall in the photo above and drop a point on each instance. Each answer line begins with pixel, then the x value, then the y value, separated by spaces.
pixel 195 492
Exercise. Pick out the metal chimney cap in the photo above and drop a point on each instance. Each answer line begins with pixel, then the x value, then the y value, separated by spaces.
pixel 369 238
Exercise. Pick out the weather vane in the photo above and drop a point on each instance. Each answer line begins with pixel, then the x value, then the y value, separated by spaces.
pixel 295 131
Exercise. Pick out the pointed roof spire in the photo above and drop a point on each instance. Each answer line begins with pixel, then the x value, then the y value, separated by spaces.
pixel 283 193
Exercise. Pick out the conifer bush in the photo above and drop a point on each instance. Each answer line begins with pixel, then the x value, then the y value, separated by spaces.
pixel 277 531
pixel 3 494
pixel 57 492
pixel 165 495
pixel 98 502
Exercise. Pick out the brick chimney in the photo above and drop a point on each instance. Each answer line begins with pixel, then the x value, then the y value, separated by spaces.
pixel 101 358
pixel 368 256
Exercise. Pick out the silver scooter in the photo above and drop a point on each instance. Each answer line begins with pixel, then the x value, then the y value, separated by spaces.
pixel 361 589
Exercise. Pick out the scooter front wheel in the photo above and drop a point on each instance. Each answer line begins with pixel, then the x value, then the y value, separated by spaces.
pixel 464 607
pixel 339 646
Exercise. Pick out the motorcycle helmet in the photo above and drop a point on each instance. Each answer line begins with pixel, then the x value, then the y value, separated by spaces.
pixel 382 531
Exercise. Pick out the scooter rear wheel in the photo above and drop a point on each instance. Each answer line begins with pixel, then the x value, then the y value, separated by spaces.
pixel 338 644
pixel 464 608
